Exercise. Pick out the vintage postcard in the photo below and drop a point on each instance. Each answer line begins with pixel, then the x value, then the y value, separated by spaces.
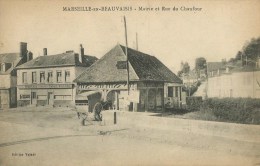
pixel 129 83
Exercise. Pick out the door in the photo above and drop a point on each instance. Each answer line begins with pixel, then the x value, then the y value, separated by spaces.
pixel 50 98
pixel 151 99
pixel 33 98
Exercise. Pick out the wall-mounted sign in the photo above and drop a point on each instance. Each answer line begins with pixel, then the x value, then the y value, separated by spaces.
pixel 105 86
pixel 46 86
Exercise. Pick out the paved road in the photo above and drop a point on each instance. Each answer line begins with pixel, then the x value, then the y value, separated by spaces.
pixel 27 143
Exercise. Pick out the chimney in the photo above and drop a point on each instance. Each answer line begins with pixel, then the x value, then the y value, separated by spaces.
pixel 29 56
pixel 44 51
pixel 81 53
pixel 23 51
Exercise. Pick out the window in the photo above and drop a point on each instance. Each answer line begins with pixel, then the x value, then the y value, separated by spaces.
pixel 42 97
pixel 58 76
pixel 33 95
pixel 24 79
pixel 170 91
pixel 33 77
pixel 121 65
pixel 42 77
pixel 67 76
pixel 62 97
pixel 24 96
pixel 50 77
pixel 176 91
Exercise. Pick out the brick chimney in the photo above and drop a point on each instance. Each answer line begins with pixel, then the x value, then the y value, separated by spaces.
pixel 44 51
pixel 23 51
pixel 81 53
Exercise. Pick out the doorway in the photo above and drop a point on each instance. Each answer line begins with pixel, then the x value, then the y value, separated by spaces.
pixel 50 98
pixel 33 98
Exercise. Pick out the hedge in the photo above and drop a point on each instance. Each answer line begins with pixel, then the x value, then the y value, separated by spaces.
pixel 239 110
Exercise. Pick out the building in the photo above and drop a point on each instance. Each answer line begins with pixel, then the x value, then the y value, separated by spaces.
pixel 151 84
pixel 47 80
pixel 190 78
pixel 234 82
pixel 215 68
pixel 8 75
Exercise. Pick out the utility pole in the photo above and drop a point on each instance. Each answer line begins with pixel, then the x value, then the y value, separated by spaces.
pixel 136 38
pixel 127 65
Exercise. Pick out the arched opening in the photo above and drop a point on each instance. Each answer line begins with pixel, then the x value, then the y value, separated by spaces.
pixel 112 100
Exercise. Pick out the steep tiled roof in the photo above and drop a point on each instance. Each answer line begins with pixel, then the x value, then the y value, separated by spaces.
pixel 149 67
pixel 105 70
pixel 142 67
pixel 9 58
pixel 64 59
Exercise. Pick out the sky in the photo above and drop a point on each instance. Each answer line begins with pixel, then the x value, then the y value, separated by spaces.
pixel 216 32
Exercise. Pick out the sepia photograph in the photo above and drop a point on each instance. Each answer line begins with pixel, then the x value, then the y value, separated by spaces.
pixel 129 83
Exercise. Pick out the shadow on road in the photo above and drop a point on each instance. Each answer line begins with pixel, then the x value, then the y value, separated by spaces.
pixel 171 112
pixel 56 137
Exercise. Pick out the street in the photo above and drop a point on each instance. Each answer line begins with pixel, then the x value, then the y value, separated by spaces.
pixel 54 136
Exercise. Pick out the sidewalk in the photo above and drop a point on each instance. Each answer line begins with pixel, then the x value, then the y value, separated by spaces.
pixel 234 131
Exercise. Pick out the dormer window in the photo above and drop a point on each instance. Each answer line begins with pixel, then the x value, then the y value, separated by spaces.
pixel 121 65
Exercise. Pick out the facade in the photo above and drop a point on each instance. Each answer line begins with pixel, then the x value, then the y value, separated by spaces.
pixel 47 80
pixel 151 83
pixel 8 75
pixel 231 81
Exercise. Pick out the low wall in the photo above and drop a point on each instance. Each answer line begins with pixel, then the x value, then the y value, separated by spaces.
pixel 152 120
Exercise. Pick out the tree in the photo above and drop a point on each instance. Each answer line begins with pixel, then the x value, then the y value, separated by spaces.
pixel 251 50
pixel 239 55
pixel 185 68
pixel 200 63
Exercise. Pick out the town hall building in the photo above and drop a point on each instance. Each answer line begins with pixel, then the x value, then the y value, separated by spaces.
pixel 152 86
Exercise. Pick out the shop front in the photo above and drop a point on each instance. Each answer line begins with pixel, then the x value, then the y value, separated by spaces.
pixel 40 95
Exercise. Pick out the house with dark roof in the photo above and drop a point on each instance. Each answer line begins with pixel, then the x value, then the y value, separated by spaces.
pixel 47 79
pixel 151 83
pixel 215 68
pixel 8 75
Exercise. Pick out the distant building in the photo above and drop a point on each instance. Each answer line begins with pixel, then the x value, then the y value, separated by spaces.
pixel 8 75
pixel 47 80
pixel 189 78
pixel 152 84
pixel 232 81
pixel 215 68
